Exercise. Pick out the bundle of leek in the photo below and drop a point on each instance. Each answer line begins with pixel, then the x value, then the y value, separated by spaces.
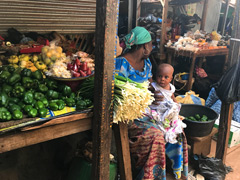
pixel 130 99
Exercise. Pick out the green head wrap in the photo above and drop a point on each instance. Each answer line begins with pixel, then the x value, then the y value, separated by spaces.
pixel 138 35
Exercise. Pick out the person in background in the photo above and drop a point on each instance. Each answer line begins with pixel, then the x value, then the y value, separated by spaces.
pixel 147 143
pixel 215 103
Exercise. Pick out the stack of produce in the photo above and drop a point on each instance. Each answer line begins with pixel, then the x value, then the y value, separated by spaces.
pixel 197 41
pixel 80 65
pixel 131 99
pixel 25 93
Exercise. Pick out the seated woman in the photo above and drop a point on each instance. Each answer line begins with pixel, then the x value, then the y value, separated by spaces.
pixel 215 103
pixel 147 145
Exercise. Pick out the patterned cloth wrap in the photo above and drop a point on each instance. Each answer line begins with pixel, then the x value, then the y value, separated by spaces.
pixel 147 143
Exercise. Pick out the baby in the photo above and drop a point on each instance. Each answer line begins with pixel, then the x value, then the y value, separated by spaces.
pixel 166 112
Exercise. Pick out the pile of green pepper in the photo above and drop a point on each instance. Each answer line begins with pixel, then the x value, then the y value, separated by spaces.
pixel 24 93
pixel 197 117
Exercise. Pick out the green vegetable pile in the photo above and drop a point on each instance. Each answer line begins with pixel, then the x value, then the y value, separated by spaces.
pixel 197 117
pixel 24 93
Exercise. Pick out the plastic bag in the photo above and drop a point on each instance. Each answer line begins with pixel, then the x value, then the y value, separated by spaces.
pixel 228 87
pixel 190 98
pixel 210 168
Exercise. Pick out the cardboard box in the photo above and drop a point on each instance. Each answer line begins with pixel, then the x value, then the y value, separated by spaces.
pixel 234 137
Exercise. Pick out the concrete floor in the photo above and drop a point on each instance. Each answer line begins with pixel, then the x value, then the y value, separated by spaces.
pixel 232 159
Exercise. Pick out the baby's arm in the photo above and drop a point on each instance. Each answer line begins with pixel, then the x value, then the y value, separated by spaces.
pixel 173 98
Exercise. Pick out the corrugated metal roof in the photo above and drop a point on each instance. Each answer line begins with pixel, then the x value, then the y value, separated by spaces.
pixel 43 16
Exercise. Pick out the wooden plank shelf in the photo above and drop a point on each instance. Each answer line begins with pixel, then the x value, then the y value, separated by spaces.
pixel 55 128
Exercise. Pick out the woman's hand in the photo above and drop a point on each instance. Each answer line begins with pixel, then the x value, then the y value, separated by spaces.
pixel 157 97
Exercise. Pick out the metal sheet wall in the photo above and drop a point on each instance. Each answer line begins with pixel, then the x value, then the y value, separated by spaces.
pixel 43 16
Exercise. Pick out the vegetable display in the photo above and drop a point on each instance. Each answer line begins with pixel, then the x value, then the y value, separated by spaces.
pixel 130 99
pixel 24 93
pixel 197 117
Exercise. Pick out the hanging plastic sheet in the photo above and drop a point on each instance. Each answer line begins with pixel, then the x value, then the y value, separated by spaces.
pixel 228 87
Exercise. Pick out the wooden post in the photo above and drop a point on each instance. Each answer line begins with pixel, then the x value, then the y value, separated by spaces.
pixel 204 15
pixel 123 151
pixel 224 130
pixel 105 37
pixel 163 33
pixel 225 17
pixel 130 14
pixel 227 109
pixel 138 11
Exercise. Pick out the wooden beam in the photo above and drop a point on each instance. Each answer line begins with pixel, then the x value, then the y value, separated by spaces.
pixel 130 14
pixel 123 151
pixel 236 22
pixel 163 33
pixel 225 17
pixel 105 52
pixel 138 11
pixel 204 15
pixel 224 130
pixel 18 140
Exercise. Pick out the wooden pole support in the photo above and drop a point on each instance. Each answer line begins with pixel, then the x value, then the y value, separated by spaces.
pixel 106 41
pixel 163 33
pixel 204 15
pixel 123 151
pixel 224 130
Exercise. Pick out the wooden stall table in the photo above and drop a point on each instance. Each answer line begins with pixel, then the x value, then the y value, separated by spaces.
pixel 52 129
pixel 171 53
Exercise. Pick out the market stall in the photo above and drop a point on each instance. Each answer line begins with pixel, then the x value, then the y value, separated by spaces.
pixel 32 128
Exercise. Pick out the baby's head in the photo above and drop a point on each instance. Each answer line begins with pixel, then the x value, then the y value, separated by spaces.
pixel 164 75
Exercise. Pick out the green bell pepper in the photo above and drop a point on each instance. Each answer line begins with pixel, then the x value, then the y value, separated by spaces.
pixel 39 105
pixel 14 79
pixel 51 84
pixel 3 99
pixel 28 97
pixel 11 69
pixel 5 115
pixel 17 114
pixel 72 95
pixel 3 109
pixel 204 118
pixel 38 96
pixel 26 72
pixel 14 107
pixel 33 112
pixel 27 82
pixel 45 102
pixel 37 75
pixel 18 91
pixel 27 108
pixel 35 84
pixel 197 117
pixel 88 102
pixel 4 76
pixel 65 90
pixel 42 112
pixel 6 88
pixel 61 104
pixel 70 102
pixel 80 105
pixel 51 94
pixel 14 100
pixel 53 106
pixel 43 88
